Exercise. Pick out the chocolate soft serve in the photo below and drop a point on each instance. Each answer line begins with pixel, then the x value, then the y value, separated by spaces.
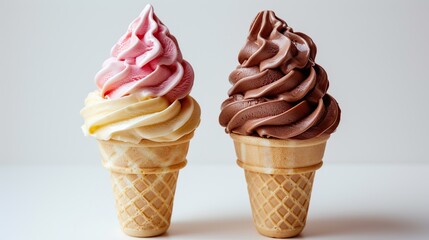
pixel 279 91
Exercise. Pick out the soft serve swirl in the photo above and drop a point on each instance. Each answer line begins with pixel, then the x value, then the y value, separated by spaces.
pixel 278 90
pixel 146 60
pixel 143 88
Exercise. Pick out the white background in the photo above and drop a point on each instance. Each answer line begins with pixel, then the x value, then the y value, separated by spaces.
pixel 376 53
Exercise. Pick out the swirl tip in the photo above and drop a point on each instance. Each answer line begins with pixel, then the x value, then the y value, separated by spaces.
pixel 148 7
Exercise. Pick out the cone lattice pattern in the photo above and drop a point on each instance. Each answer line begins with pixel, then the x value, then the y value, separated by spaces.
pixel 144 202
pixel 279 202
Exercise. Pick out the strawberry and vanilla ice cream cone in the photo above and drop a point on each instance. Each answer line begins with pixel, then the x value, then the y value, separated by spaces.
pixel 143 118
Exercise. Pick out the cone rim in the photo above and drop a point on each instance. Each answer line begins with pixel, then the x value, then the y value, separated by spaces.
pixel 149 170
pixel 279 171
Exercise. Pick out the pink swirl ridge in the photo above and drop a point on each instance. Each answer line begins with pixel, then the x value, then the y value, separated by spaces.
pixel 146 60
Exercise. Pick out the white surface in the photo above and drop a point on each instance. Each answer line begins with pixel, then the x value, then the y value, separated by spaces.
pixel 348 202
pixel 375 53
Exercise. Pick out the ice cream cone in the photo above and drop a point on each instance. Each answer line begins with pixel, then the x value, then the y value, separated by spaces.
pixel 279 175
pixel 144 180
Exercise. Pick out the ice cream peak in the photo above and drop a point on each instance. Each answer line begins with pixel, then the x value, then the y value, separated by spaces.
pixel 278 90
pixel 146 60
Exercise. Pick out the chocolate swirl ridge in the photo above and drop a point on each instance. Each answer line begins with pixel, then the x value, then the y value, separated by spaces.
pixel 278 118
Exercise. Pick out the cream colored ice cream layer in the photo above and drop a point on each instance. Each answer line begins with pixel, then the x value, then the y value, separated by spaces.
pixel 136 117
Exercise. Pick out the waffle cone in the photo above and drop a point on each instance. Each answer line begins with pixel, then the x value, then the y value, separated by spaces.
pixel 144 178
pixel 279 176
